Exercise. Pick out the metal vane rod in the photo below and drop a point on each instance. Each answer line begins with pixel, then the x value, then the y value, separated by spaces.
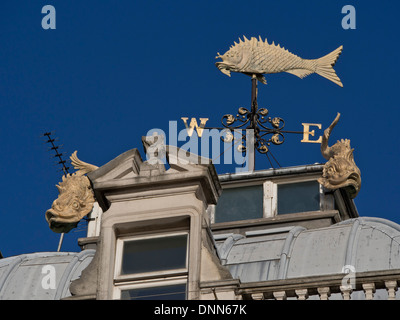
pixel 253 118
pixel 254 92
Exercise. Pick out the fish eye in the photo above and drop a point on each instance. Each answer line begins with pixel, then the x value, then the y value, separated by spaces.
pixel 75 205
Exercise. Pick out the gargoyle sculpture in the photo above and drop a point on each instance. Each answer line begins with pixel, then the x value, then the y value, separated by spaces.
pixel 257 57
pixel 340 171
pixel 75 199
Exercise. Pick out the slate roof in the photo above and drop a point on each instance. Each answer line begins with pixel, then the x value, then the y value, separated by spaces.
pixel 25 277
pixel 366 243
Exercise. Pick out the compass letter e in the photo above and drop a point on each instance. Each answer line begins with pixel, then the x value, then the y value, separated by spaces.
pixel 307 132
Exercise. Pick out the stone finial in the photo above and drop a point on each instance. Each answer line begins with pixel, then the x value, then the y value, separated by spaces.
pixel 154 147
pixel 340 171
pixel 75 199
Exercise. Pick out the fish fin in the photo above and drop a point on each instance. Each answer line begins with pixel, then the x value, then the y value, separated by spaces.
pixel 325 66
pixel 81 166
pixel 261 78
pixel 301 73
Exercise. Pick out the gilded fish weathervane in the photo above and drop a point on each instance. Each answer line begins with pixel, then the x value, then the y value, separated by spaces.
pixel 257 57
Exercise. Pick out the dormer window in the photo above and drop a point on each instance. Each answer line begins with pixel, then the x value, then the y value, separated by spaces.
pixel 152 267
pixel 153 254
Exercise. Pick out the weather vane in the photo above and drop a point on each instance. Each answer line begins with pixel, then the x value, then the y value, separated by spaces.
pixel 256 58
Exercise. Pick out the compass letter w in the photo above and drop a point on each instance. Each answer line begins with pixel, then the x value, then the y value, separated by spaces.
pixel 193 125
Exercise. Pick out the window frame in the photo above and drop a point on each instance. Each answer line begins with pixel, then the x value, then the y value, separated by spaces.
pixel 150 283
pixel 152 278
pixel 213 208
pixel 274 204
pixel 270 195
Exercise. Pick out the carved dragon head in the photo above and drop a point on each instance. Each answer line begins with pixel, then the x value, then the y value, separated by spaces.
pixel 75 199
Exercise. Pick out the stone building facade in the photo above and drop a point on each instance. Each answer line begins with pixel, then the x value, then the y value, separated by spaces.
pixel 180 231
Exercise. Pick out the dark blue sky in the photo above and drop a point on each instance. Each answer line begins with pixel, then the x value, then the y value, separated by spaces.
pixel 113 70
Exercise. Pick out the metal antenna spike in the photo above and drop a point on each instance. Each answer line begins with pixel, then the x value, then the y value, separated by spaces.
pixel 61 161
pixel 59 154
pixel 47 134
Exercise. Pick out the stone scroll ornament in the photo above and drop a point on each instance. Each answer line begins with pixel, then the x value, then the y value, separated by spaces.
pixel 75 199
pixel 258 57
pixel 340 171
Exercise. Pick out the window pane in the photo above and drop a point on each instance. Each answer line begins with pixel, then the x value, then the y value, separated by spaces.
pixel 298 197
pixel 155 254
pixel 240 204
pixel 173 292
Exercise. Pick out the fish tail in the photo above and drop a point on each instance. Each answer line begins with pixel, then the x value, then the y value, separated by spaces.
pixel 325 65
